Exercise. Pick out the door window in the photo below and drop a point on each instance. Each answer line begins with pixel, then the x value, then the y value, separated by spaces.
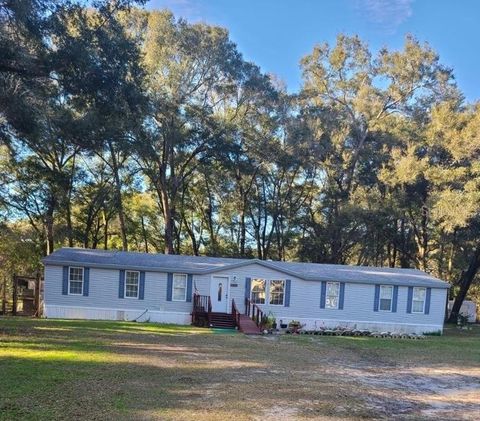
pixel 220 287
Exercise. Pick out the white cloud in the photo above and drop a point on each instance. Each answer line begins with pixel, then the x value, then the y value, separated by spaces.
pixel 388 15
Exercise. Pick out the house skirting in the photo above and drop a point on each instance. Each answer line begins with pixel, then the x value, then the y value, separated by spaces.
pixel 312 324
pixel 94 313
pixel 183 318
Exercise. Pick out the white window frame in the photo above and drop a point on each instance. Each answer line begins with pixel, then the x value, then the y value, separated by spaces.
pixel 270 294
pixel 69 279
pixel 138 285
pixel 266 291
pixel 326 295
pixel 173 286
pixel 380 298
pixel 424 299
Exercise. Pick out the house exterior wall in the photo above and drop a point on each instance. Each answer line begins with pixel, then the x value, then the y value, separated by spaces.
pixel 103 301
pixel 358 305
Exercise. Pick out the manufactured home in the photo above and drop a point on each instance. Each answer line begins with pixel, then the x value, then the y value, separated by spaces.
pixel 116 285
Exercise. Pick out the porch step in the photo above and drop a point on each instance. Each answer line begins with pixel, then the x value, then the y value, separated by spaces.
pixel 248 326
pixel 222 320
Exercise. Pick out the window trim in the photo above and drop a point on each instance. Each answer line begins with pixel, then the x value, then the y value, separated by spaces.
pixel 266 291
pixel 380 299
pixel 269 291
pixel 69 279
pixel 173 286
pixel 326 295
pixel 125 285
pixel 424 299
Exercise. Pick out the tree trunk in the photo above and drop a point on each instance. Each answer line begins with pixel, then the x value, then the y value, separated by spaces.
pixel 49 226
pixel 424 238
pixel 465 281
pixel 69 205
pixel 336 240
pixel 404 260
pixel 191 233
pixel 209 219
pixel 118 197
pixel 4 296
pixel 144 233
pixel 243 229
pixel 95 234
pixel 167 218
pixel 105 230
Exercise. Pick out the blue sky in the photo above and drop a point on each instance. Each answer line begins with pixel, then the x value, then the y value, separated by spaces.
pixel 276 34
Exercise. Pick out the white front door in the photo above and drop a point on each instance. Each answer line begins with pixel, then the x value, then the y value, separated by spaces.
pixel 219 293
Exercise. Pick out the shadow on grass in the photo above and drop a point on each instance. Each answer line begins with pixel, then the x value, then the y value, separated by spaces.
pixel 72 369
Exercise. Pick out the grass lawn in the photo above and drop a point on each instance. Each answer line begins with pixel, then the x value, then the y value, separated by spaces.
pixel 59 369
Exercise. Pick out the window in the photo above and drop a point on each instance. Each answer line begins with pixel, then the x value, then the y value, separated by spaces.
pixel 333 291
pixel 131 284
pixel 75 281
pixel 418 303
pixel 258 291
pixel 179 287
pixel 386 294
pixel 277 289
pixel 219 292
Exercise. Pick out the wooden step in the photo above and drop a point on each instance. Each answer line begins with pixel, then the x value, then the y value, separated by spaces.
pixel 220 316
pixel 222 325
pixel 248 326
pixel 222 320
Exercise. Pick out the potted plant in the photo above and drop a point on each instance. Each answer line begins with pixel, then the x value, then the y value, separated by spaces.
pixel 265 322
pixel 462 321
pixel 272 321
pixel 294 326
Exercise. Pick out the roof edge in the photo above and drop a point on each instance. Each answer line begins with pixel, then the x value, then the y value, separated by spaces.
pixel 435 283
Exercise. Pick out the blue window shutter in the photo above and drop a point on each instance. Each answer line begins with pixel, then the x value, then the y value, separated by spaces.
pixel 86 281
pixel 287 292
pixel 395 299
pixel 189 288
pixel 65 281
pixel 141 287
pixel 427 300
pixel 248 285
pixel 169 286
pixel 342 296
pixel 323 294
pixel 121 283
pixel 376 299
pixel 409 299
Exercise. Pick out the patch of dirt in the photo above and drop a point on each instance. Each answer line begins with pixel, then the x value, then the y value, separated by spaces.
pixel 278 413
pixel 437 392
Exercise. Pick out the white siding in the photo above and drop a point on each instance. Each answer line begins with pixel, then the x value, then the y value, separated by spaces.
pixel 103 301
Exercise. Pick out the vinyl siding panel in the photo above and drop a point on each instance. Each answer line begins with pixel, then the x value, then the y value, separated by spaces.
pixel 358 301
pixel 103 291
pixel 304 298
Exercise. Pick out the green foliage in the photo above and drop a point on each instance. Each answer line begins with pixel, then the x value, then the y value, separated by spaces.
pixel 127 128
pixel 434 333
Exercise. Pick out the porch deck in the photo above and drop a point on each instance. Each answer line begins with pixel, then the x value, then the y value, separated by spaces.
pixel 203 316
